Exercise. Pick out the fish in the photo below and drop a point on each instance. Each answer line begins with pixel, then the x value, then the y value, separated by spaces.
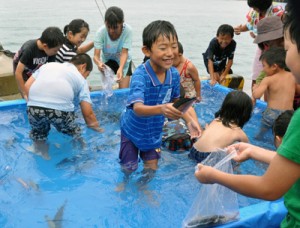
pixel 208 221
pixel 56 222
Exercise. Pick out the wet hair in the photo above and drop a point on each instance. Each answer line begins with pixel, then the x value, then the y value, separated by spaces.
pixel 113 16
pixel 236 109
pixel 76 26
pixel 291 21
pixel 53 37
pixel 83 59
pixel 180 48
pixel 282 122
pixel 262 5
pixel 274 55
pixel 155 29
pixel 225 29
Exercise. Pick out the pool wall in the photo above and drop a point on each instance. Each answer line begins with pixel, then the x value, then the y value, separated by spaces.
pixel 266 214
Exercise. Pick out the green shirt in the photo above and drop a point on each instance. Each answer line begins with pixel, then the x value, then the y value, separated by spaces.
pixel 290 149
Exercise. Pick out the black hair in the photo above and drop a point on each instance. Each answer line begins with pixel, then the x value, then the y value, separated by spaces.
pixel 274 55
pixel 225 29
pixel 236 109
pixel 262 5
pixel 113 16
pixel 83 58
pixel 53 37
pixel 180 48
pixel 75 26
pixel 291 21
pixel 282 122
pixel 155 29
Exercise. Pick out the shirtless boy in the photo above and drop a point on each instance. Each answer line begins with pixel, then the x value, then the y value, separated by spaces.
pixel 277 86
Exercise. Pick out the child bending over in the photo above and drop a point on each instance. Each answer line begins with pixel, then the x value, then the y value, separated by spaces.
pixel 218 57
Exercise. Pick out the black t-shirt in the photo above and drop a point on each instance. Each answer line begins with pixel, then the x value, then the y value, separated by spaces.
pixel 218 55
pixel 32 57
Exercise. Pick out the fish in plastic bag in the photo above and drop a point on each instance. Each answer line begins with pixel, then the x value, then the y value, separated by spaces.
pixel 108 81
pixel 214 204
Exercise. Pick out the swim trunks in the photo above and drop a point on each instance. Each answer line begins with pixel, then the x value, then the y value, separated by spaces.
pixel 128 156
pixel 269 116
pixel 41 120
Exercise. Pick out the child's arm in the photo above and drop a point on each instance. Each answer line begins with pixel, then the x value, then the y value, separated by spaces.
pixel 85 48
pixel 227 69
pixel 161 109
pixel 211 71
pixel 19 78
pixel 260 89
pixel 123 59
pixel 193 72
pixel 97 60
pixel 278 179
pixel 246 151
pixel 240 28
pixel 191 120
pixel 89 116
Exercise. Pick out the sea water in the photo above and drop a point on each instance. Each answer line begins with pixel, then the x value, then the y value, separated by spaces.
pixel 196 22
pixel 77 186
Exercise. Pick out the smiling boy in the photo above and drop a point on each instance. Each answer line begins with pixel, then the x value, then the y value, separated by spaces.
pixel 218 57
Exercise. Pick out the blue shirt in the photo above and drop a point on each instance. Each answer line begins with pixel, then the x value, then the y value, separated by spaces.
pixel 146 132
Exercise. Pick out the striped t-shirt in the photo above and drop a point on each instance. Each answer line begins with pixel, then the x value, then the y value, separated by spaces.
pixel 66 52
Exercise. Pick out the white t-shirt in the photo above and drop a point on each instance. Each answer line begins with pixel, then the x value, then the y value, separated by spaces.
pixel 58 86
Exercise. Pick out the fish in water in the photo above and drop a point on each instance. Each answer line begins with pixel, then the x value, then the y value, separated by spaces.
pixel 56 222
pixel 79 158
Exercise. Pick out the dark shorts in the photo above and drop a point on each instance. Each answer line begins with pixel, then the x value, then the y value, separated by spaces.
pixel 129 154
pixel 115 66
pixel 197 155
pixel 41 120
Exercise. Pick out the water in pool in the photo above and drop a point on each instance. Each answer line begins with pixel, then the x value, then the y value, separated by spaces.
pixel 76 187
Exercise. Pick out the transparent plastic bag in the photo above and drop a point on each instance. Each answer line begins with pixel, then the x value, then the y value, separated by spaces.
pixel 214 204
pixel 108 80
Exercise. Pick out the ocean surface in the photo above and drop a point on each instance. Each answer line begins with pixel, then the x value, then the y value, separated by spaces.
pixel 196 22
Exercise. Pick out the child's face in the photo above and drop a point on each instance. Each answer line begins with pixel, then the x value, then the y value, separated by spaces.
pixel 114 32
pixel 78 38
pixel 177 56
pixel 162 52
pixel 292 58
pixel 268 69
pixel 51 51
pixel 224 40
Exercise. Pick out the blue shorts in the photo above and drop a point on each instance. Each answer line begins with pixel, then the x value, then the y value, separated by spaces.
pixel 41 119
pixel 129 154
pixel 269 116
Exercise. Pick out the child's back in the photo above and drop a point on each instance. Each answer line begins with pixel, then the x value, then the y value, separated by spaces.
pixel 281 90
pixel 216 135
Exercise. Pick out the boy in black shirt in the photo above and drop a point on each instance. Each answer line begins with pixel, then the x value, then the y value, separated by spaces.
pixel 220 49
pixel 35 53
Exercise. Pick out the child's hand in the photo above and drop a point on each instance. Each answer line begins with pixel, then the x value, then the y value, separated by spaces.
pixel 213 81
pixel 119 75
pixel 194 129
pixel 203 174
pixel 238 29
pixel 198 99
pixel 243 151
pixel 169 111
pixel 101 66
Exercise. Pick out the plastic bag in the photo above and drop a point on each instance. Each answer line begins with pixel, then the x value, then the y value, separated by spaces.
pixel 108 80
pixel 214 204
